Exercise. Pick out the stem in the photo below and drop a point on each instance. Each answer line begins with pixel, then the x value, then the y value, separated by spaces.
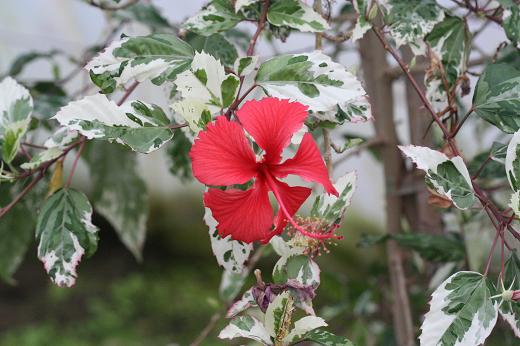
pixel 22 194
pixel 128 92
pixel 259 28
pixel 328 152
pixel 207 329
pixel 490 255
pixel 74 165
pixel 459 125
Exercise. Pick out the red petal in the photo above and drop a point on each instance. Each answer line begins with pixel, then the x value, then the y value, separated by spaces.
pixel 292 197
pixel 308 164
pixel 246 215
pixel 272 122
pixel 222 155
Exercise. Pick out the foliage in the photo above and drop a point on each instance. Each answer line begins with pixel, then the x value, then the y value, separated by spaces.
pixel 230 115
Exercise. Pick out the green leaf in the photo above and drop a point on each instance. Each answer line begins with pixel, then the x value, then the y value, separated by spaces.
pixel 325 338
pixel 245 65
pixel 497 97
pixel 297 15
pixel 205 88
pixel 511 23
pixel 25 59
pixel 510 310
pixel 246 327
pixel 332 208
pixel 16 232
pixel 16 106
pixel 146 14
pixel 461 311
pixel 142 127
pixel 217 16
pixel 65 233
pixel 314 80
pixel 119 193
pixel 447 177
pixel 411 20
pixel 178 154
pixel 159 57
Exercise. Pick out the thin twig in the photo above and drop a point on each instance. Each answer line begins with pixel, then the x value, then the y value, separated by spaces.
pixel 74 165
pixel 259 28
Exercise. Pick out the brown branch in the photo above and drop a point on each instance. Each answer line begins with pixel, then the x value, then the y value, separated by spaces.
pixel 259 28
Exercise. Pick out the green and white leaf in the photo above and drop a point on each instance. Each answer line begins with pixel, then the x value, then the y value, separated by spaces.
pixel 297 15
pixel 449 43
pixel 119 193
pixel 312 79
pixel 62 138
pixel 511 23
pixel 239 4
pixel 65 233
pixel 245 65
pixel 42 157
pixel 141 126
pixel 461 311
pixel 411 20
pixel 301 268
pixel 447 177
pixel 16 106
pixel 362 8
pixel 217 16
pixel 205 88
pixel 497 97
pixel 326 338
pixel 247 301
pixel 332 208
pixel 512 167
pixel 302 327
pixel 158 57
pixel 230 254
pixel 288 248
pixel 231 284
pixel 509 309
pixel 246 327
pixel 278 316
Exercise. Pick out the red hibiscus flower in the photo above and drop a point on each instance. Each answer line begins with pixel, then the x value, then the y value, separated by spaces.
pixel 223 156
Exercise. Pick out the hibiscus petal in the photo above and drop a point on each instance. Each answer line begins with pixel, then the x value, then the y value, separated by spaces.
pixel 272 122
pixel 221 155
pixel 292 198
pixel 308 164
pixel 245 215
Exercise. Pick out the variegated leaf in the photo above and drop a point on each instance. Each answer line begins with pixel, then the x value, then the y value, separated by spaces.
pixel 217 16
pixel 332 208
pixel 509 309
pixel 140 126
pixel 158 57
pixel 42 157
pixel 245 302
pixel 316 81
pixel 230 254
pixel 461 311
pixel 245 65
pixel 302 327
pixel 497 97
pixel 449 42
pixel 16 106
pixel 411 20
pixel 231 284
pixel 239 4
pixel 511 22
pixel 205 89
pixel 65 233
pixel 362 8
pixel 62 138
pixel 246 327
pixel 118 192
pixel 447 177
pixel 297 15
pixel 322 337
pixel 300 268
pixel 278 316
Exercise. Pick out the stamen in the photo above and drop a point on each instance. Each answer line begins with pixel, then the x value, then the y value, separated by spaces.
pixel 326 235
